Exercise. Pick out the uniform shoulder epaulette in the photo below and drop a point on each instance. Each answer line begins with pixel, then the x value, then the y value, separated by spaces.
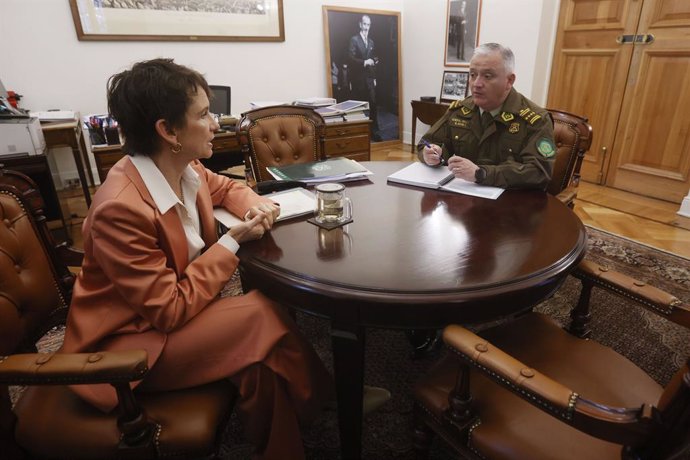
pixel 454 105
pixel 529 115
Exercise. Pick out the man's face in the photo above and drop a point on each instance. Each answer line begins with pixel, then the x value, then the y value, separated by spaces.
pixel 364 25
pixel 489 81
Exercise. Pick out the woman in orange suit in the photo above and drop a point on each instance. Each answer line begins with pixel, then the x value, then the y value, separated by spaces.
pixel 154 267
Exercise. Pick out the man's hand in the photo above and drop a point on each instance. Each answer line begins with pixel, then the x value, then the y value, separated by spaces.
pixel 268 211
pixel 369 62
pixel 462 168
pixel 248 230
pixel 432 154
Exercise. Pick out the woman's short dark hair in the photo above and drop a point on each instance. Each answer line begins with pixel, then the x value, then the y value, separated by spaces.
pixel 150 91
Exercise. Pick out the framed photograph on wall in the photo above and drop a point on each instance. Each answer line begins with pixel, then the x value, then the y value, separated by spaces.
pixel 454 85
pixel 363 63
pixel 179 20
pixel 462 31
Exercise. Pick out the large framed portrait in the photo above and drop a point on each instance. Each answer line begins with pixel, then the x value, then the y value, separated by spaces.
pixel 363 63
pixel 462 31
pixel 454 85
pixel 180 20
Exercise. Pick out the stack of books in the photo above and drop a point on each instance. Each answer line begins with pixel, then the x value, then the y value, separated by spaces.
pixel 339 169
pixel 349 110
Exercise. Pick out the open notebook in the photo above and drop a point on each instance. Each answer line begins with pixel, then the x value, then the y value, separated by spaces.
pixel 421 175
pixel 293 203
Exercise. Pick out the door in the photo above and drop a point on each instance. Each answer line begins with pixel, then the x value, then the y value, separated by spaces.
pixel 590 68
pixel 626 65
pixel 651 153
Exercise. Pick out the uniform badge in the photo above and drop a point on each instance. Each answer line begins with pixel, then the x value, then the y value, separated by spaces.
pixel 546 147
pixel 514 127
pixel 465 110
pixel 459 122
pixel 505 116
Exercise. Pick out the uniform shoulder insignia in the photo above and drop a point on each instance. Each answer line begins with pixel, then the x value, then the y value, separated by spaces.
pixel 529 115
pixel 454 105
pixel 546 147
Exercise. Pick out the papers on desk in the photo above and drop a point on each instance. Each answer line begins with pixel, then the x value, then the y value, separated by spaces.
pixel 339 169
pixel 421 175
pixel 54 115
pixel 294 202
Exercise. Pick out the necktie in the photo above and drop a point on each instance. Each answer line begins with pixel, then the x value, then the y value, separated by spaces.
pixel 487 119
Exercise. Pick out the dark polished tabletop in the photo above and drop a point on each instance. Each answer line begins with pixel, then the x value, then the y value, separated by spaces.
pixel 413 258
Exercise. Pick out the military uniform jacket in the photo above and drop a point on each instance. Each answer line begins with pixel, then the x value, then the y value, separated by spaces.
pixel 516 150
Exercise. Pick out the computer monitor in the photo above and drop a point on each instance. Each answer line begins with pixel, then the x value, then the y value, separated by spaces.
pixel 220 99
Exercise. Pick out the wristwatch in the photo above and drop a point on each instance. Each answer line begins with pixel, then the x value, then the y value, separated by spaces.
pixel 480 175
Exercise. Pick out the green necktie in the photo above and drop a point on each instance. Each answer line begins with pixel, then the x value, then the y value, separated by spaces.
pixel 487 119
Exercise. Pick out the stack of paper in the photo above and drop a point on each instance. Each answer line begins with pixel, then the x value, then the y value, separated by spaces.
pixel 349 110
pixel 338 169
pixel 54 115
pixel 293 203
pixel 315 102
pixel 421 175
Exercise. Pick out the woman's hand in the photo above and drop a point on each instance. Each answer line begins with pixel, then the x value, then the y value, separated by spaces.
pixel 269 212
pixel 248 230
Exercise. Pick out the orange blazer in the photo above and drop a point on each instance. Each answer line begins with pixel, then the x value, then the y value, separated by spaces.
pixel 136 278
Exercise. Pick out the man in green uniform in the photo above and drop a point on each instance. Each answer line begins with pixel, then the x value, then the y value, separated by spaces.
pixel 496 136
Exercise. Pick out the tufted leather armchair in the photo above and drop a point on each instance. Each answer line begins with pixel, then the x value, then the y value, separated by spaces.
pixel 573 137
pixel 279 136
pixel 48 420
pixel 529 389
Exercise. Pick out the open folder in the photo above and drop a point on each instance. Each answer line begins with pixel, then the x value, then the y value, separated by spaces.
pixel 293 203
pixel 421 175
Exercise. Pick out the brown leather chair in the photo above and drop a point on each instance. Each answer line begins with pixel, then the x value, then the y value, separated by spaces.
pixel 279 136
pixel 48 420
pixel 528 389
pixel 573 137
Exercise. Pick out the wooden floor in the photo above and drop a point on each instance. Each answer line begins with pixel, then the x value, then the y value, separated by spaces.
pixel 645 220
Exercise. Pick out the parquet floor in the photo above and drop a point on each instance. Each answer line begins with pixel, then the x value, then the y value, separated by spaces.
pixel 645 220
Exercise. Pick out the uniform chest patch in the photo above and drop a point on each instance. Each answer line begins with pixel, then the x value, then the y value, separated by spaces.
pixel 459 122
pixel 514 127
pixel 546 147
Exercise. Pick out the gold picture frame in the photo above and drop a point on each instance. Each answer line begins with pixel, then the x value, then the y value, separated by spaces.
pixel 178 20
pixel 462 31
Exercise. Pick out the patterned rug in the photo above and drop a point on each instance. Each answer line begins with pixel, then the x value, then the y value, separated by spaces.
pixel 620 324
pixel 617 323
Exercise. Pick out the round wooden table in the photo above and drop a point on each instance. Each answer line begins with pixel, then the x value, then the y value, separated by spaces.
pixel 413 258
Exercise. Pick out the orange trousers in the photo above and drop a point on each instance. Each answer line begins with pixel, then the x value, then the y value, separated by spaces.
pixel 252 341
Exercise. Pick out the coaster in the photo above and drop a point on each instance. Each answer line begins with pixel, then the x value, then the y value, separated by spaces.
pixel 328 226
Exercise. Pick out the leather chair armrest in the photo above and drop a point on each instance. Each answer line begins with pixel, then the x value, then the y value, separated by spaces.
pixel 73 368
pixel 654 299
pixel 568 196
pixel 621 425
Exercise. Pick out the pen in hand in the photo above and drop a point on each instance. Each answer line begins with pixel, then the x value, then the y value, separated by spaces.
pixel 426 143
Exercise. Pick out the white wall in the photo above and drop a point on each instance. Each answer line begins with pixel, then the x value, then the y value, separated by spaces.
pixel 528 27
pixel 41 58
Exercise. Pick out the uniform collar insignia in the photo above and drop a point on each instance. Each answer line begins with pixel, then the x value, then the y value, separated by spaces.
pixel 507 116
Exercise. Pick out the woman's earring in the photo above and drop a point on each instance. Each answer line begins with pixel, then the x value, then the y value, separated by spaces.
pixel 177 148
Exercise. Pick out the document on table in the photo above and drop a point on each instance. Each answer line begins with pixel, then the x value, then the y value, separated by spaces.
pixel 421 175
pixel 294 202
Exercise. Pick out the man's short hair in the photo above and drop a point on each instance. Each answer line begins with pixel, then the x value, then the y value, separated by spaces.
pixel 506 54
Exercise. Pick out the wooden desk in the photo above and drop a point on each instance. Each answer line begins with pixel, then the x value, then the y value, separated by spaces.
pixel 413 258
pixel 428 113
pixel 70 134
pixel 350 139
